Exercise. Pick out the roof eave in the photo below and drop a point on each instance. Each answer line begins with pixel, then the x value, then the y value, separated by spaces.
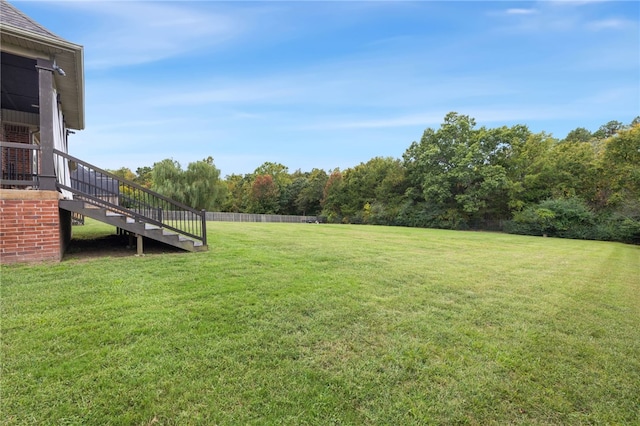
pixel 52 47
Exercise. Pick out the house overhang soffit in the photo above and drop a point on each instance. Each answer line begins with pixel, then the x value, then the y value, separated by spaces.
pixel 67 55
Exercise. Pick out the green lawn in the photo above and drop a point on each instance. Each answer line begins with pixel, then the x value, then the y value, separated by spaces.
pixel 327 324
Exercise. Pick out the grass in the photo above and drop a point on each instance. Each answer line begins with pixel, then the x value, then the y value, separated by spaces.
pixel 327 324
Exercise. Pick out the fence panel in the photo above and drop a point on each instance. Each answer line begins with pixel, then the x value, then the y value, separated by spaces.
pixel 266 218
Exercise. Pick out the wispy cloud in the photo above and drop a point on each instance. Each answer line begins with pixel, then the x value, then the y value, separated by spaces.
pixel 226 92
pixel 532 20
pixel 518 11
pixel 132 33
pixel 558 16
pixel 608 24
pixel 573 3
pixel 484 114
pixel 415 119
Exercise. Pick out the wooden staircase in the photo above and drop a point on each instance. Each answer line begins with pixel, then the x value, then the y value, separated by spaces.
pixel 139 211
pixel 132 225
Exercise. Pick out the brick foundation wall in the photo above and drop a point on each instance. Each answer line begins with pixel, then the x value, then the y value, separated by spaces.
pixel 29 226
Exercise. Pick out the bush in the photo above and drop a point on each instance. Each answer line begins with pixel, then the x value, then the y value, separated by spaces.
pixel 623 224
pixel 558 217
pixel 425 215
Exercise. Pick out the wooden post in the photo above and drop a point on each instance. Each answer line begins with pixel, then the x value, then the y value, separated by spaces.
pixel 139 245
pixel 47 175
pixel 204 227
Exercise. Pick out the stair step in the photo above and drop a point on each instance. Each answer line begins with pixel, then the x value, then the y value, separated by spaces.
pixel 140 227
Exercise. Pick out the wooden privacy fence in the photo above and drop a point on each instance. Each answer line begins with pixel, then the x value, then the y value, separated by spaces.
pixel 251 217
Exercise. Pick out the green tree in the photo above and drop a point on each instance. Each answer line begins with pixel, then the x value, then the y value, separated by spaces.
pixel 343 195
pixel 124 173
pixel 281 178
pixel 380 184
pixel 237 194
pixel 579 134
pixel 575 169
pixel 609 129
pixel 265 195
pixel 463 174
pixel 168 179
pixel 308 199
pixel 333 197
pixel 298 181
pixel 621 166
pixel 199 186
pixel 203 187
pixel 532 171
pixel 144 176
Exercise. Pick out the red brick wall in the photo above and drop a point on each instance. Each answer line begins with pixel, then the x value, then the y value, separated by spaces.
pixel 15 133
pixel 29 230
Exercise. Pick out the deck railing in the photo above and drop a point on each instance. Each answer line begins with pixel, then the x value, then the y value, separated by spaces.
pixel 20 164
pixel 101 188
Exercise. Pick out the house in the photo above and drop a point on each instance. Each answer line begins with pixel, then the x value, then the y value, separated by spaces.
pixel 41 185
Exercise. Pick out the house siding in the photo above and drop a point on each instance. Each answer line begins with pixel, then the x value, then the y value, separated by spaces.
pixel 30 228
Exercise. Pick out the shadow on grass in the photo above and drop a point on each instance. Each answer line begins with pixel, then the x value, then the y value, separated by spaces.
pixel 113 246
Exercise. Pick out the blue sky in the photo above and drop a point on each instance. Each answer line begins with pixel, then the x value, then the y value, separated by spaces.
pixel 333 84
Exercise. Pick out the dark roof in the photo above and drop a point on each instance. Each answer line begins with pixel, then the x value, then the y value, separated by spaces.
pixel 10 16
pixel 22 36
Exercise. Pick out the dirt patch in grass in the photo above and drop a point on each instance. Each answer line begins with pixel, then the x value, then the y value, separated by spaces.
pixel 113 246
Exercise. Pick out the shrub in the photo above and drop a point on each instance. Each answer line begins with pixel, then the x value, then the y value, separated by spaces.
pixel 559 217
pixel 623 224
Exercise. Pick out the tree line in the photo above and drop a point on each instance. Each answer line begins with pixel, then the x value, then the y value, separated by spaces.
pixel 457 176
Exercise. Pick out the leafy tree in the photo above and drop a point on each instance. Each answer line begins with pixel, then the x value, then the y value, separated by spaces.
pixel 495 166
pixel 203 187
pixel 621 166
pixel 308 199
pixel 144 176
pixel 199 186
pixel 124 191
pixel 579 134
pixel 432 164
pixel 380 182
pixel 462 172
pixel 546 168
pixel 532 171
pixel 237 193
pixel 333 197
pixel 265 195
pixel 168 179
pixel 281 178
pixel 575 170
pixel 298 181
pixel 124 173
pixel 609 129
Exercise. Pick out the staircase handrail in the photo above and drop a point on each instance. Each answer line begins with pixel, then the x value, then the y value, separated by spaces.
pixel 196 230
